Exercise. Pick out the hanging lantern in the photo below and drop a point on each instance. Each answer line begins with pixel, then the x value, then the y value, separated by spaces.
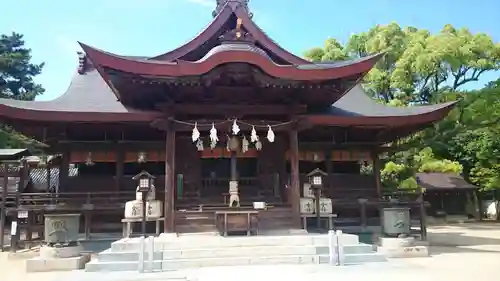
pixel 270 134
pixel 141 157
pixel 235 128
pixel 244 144
pixel 234 144
pixel 196 134
pixel 315 157
pixel 258 145
pixel 228 147
pixel 89 161
pixel 213 136
pixel 253 135
pixel 199 145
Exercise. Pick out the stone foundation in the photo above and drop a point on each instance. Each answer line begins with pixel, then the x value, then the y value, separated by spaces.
pixel 58 259
pixel 172 252
pixel 402 248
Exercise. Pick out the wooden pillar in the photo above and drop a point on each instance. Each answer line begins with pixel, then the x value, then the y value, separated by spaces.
pixel 48 170
pixel 169 211
pixel 376 172
pixel 120 159
pixel 329 169
pixel 234 166
pixel 295 177
pixel 423 215
pixel 3 210
pixel 63 172
pixel 14 242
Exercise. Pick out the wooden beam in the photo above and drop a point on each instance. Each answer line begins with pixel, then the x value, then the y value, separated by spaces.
pixel 108 145
pixel 231 109
pixel 322 146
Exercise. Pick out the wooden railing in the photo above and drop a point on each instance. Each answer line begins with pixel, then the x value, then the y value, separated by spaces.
pixel 72 200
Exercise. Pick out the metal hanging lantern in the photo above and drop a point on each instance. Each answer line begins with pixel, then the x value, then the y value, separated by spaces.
pixel 234 143
pixel 89 161
pixel 141 157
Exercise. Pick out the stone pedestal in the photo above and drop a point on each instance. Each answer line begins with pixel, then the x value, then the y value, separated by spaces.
pixel 62 251
pixel 58 259
pixel 396 247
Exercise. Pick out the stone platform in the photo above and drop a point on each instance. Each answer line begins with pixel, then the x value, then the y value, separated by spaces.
pixel 172 252
pixel 406 247
pixel 57 259
pixel 39 264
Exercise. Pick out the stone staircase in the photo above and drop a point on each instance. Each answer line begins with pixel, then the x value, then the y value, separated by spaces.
pixel 172 252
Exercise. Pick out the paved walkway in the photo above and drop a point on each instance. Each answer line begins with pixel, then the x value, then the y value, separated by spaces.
pixel 459 253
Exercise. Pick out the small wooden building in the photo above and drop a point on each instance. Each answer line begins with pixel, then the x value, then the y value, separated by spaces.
pixel 448 194
pixel 124 114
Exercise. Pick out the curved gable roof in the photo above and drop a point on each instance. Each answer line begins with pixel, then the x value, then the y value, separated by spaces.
pixel 226 13
pixel 87 99
pixel 357 108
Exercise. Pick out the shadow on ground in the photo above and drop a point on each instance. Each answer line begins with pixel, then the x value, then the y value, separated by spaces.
pixel 461 242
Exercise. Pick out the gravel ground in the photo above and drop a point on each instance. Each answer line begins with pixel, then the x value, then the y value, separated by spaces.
pixel 459 252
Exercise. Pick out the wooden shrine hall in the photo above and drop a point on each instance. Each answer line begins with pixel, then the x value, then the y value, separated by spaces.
pixel 230 105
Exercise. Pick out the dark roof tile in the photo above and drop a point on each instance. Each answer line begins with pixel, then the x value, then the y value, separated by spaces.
pixel 442 181
pixel 357 103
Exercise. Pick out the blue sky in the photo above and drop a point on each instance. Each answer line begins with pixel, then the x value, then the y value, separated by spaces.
pixel 151 27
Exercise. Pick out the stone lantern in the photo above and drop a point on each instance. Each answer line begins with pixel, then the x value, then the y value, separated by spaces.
pixel 316 181
pixel 145 183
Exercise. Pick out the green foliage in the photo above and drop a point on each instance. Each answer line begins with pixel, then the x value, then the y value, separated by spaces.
pixel 16 69
pixel 16 82
pixel 399 171
pixel 417 64
pixel 425 68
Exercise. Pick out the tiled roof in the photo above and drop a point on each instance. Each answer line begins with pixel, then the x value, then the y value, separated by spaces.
pixel 442 181
pixel 86 93
pixel 13 154
pixel 356 102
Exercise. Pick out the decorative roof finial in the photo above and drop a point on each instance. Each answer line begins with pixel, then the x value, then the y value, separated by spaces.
pixel 237 34
pixel 82 63
pixel 221 3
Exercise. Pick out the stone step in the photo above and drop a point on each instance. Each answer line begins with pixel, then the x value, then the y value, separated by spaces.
pixel 176 264
pixel 349 249
pixel 204 241
pixel 108 255
pixel 99 266
pixel 352 259
pixel 211 252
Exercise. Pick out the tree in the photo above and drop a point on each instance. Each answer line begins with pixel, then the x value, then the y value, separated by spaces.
pixel 16 69
pixel 16 82
pixel 417 64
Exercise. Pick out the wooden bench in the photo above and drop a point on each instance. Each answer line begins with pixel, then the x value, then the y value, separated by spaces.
pixel 330 218
pixel 127 225
pixel 237 221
